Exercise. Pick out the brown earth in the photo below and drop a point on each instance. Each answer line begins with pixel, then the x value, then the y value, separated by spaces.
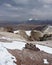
pixel 30 57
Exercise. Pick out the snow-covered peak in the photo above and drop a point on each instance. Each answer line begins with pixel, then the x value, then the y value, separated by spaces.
pixel 30 19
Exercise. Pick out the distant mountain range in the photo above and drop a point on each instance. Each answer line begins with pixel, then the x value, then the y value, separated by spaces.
pixel 39 22
pixel 26 22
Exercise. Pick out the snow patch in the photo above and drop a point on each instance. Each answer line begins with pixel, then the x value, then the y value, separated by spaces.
pixel 6 38
pixel 45 48
pixel 5 57
pixel 28 33
pixel 17 31
pixel 14 45
pixel 45 61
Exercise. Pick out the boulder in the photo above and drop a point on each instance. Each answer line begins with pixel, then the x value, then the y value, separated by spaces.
pixel 35 35
pixel 31 47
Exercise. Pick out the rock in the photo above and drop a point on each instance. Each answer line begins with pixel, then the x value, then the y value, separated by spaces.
pixel 31 47
pixel 35 35
pixel 46 37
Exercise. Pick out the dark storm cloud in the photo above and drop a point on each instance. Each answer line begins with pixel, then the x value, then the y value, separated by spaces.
pixel 25 9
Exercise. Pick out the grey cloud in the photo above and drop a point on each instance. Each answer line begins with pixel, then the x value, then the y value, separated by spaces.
pixel 25 9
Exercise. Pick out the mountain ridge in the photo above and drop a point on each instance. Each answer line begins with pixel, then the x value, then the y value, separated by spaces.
pixel 35 22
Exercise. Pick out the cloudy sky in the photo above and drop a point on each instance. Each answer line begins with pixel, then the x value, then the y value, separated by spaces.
pixel 25 9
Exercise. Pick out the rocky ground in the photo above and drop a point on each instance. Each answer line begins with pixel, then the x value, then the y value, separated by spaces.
pixel 30 57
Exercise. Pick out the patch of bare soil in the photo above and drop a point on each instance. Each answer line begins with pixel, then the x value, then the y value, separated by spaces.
pixel 30 57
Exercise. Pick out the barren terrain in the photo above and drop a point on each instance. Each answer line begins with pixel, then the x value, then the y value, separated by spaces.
pixel 29 57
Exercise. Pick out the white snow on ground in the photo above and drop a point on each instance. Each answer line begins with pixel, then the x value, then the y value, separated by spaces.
pixel 45 61
pixel 5 57
pixel 45 48
pixel 14 45
pixel 17 31
pixel 20 45
pixel 6 38
pixel 28 33
pixel 10 39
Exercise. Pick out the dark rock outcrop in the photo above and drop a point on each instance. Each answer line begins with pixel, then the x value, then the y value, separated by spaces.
pixel 31 47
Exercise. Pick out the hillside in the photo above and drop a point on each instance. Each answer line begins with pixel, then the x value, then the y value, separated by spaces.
pixel 14 51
